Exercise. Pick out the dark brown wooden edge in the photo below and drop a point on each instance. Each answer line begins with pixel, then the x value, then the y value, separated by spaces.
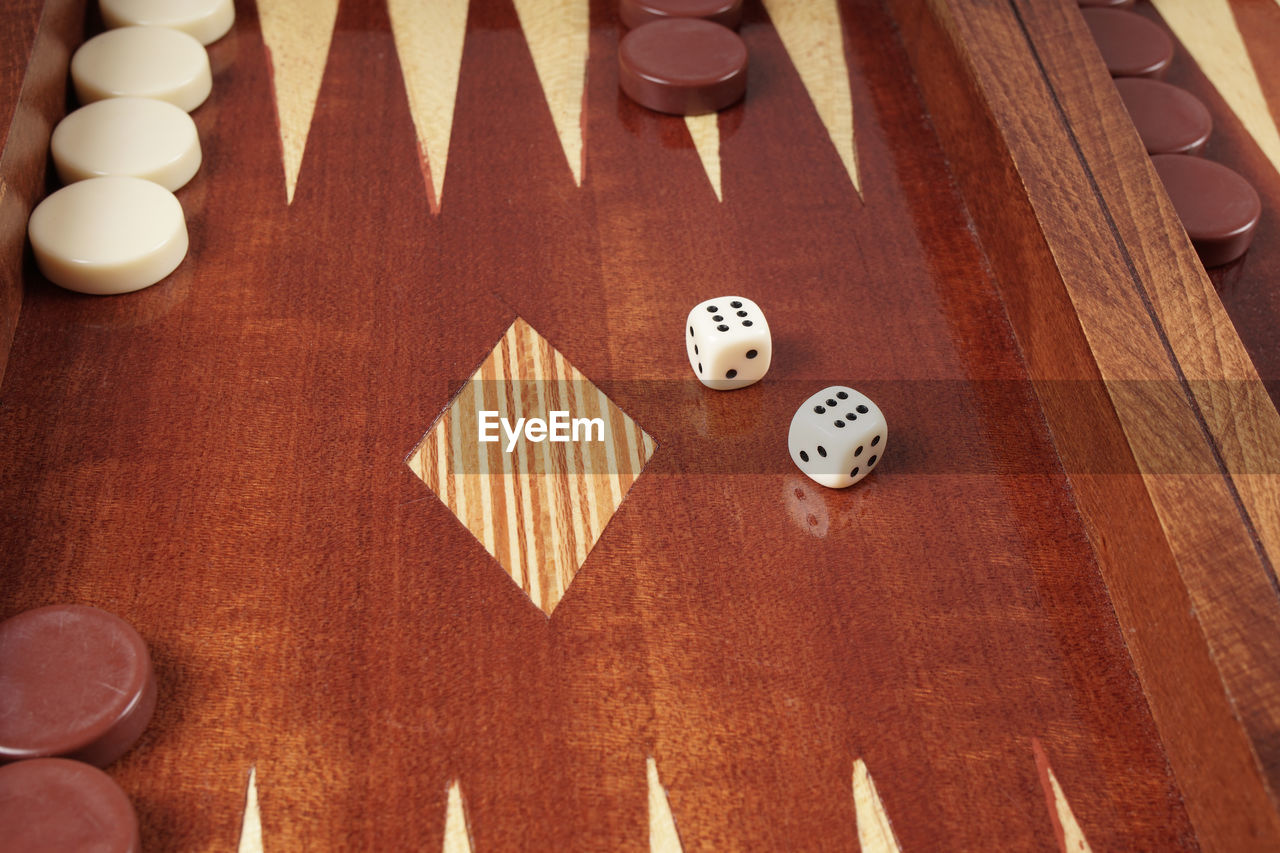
pixel 1139 372
pixel 34 92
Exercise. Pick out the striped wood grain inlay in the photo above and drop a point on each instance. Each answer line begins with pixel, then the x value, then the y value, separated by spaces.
pixel 540 508
pixel 705 131
pixel 557 33
pixel 251 823
pixel 457 835
pixel 429 38
pixel 663 837
pixel 1208 30
pixel 813 36
pixel 875 834
pixel 297 35
pixel 1065 827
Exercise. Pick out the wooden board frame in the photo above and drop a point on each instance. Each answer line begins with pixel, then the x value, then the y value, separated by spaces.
pixel 1136 365
pixel 1137 368
pixel 33 96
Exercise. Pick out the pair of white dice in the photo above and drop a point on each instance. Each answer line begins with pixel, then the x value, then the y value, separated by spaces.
pixel 836 436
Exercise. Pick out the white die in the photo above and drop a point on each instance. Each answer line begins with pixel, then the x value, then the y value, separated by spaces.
pixel 728 342
pixel 837 436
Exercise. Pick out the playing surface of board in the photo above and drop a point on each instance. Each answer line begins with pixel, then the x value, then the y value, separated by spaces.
pixel 373 631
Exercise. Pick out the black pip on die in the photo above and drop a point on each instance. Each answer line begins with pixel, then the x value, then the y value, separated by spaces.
pixel 728 342
pixel 837 436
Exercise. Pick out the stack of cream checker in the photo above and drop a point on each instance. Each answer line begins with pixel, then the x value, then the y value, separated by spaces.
pixel 117 226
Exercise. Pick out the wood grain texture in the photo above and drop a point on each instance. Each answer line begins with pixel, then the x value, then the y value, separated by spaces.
pixel 219 459
pixel 1209 32
pixel 19 39
pixel 875 832
pixel 663 837
pixel 814 37
pixel 35 49
pixel 297 34
pixel 557 32
pixel 429 39
pixel 538 509
pixel 1195 394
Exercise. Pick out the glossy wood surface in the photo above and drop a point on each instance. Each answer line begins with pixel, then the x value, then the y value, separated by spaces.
pixel 930 660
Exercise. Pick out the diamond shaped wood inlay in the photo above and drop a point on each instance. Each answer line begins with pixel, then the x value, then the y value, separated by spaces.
pixel 538 506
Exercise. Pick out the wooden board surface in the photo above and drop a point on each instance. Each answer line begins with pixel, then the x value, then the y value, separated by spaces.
pixel 956 654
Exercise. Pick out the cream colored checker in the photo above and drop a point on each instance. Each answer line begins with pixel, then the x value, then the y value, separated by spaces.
pixel 143 62
pixel 140 137
pixel 205 20
pixel 108 235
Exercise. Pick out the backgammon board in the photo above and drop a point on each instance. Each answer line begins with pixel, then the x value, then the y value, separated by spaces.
pixel 1049 620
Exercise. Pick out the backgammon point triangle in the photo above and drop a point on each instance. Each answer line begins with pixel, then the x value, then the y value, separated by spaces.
pixel 813 37
pixel 251 823
pixel 663 837
pixel 1208 30
pixel 297 34
pixel 1066 828
pixel 875 834
pixel 457 835
pixel 705 132
pixel 557 32
pixel 429 39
